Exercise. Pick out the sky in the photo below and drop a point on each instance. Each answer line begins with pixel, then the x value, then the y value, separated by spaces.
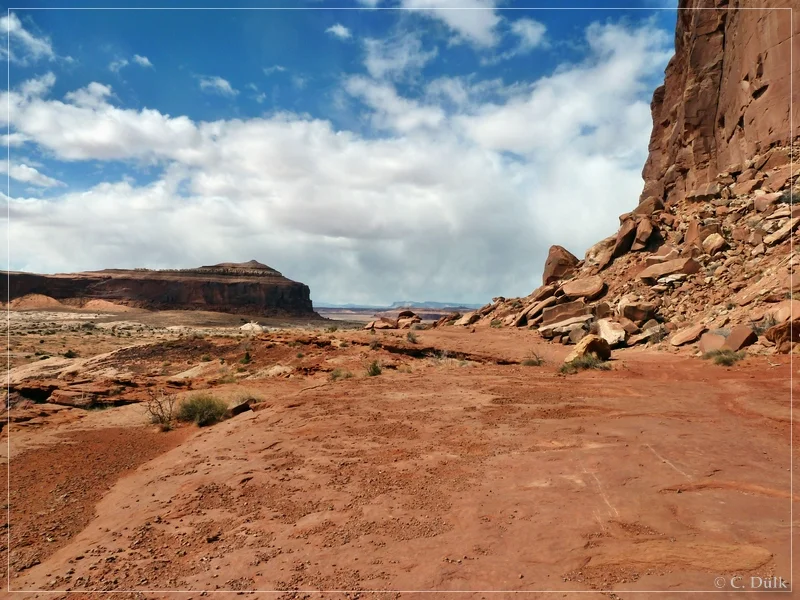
pixel 400 149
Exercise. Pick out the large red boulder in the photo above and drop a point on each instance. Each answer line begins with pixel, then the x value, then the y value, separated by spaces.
pixel 560 263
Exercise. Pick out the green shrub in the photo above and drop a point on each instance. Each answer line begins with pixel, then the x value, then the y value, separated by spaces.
pixel 496 324
pixel 340 374
pixel 724 357
pixel 70 354
pixel 332 329
pixel 533 360
pixel 300 355
pixel 205 358
pixel 411 337
pixel 589 361
pixel 202 409
pixel 246 359
pixel 374 369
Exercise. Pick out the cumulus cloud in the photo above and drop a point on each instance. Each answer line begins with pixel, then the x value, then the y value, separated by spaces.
pixel 217 85
pixel 472 21
pixel 26 47
pixel 26 174
pixel 115 65
pixel 339 31
pixel 274 69
pixel 142 61
pixel 530 33
pixel 397 56
pixel 456 193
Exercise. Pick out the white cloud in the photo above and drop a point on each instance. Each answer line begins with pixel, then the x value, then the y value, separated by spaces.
pixel 26 174
pixel 274 69
pixel 38 86
pixel 142 61
pixel 447 202
pixel 473 21
pixel 530 33
pixel 397 56
pixel 370 3
pixel 33 48
pixel 217 85
pixel 115 65
pixel 339 31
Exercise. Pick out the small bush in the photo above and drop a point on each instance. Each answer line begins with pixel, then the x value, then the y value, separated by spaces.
pixel 496 324
pixel 374 369
pixel 759 327
pixel 411 337
pixel 161 409
pixel 205 358
pixel 332 329
pixel 202 409
pixel 724 357
pixel 70 354
pixel 590 361
pixel 533 360
pixel 300 355
pixel 337 374
pixel 374 344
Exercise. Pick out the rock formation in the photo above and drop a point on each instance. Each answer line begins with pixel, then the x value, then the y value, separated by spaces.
pixel 708 253
pixel 248 288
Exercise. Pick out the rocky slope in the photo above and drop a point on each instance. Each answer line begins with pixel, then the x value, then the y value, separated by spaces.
pixel 248 288
pixel 708 254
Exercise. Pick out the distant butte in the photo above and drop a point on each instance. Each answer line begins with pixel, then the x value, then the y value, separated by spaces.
pixel 251 288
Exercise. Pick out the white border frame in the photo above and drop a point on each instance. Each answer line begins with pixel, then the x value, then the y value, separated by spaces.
pixel 399 8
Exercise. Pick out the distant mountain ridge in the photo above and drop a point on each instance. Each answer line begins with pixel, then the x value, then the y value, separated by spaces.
pixel 400 304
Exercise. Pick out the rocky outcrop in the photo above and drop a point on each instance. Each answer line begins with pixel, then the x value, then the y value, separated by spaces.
pixel 248 288
pixel 709 253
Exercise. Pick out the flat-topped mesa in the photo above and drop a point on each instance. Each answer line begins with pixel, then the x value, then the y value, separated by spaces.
pixel 250 288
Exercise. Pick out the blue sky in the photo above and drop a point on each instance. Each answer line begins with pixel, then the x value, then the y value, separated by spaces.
pixel 373 154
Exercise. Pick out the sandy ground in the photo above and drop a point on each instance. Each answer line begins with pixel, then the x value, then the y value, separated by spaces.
pixel 455 469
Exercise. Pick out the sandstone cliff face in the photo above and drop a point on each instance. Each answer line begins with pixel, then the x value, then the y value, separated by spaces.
pixel 246 288
pixel 726 94
pixel 709 254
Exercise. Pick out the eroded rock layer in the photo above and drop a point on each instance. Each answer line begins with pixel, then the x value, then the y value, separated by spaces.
pixel 247 288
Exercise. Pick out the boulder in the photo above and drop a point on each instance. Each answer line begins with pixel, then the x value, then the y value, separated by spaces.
pixel 612 332
pixel 636 311
pixel 468 319
pixel 446 319
pixel 590 344
pixel 252 328
pixel 408 322
pixel 714 243
pixel 564 326
pixel 600 253
pixel 560 263
pixel 567 310
pixel 687 335
pixel 577 334
pixel 740 337
pixel 384 323
pixel 533 310
pixel 625 237
pixel 710 341
pixel 406 314
pixel 542 292
pixel 649 205
pixel 784 311
pixel 784 334
pixel 686 266
pixel 782 233
pixel 643 232
pixel 586 287
pixel 765 202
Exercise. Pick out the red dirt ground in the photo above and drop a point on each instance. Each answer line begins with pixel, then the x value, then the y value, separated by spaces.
pixel 440 474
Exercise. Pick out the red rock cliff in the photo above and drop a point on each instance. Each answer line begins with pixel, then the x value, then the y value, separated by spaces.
pixel 726 94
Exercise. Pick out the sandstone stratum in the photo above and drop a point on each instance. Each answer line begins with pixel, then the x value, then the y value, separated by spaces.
pixel 710 248
pixel 250 288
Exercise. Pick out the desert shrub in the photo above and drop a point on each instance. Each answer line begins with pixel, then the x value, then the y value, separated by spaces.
pixel 374 344
pixel 374 369
pixel 411 337
pixel 161 409
pixel 70 354
pixel 202 409
pixel 419 326
pixel 724 357
pixel 205 358
pixel 332 329
pixel 246 359
pixel 533 360
pixel 300 355
pixel 496 323
pixel 337 374
pixel 759 327
pixel 589 361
